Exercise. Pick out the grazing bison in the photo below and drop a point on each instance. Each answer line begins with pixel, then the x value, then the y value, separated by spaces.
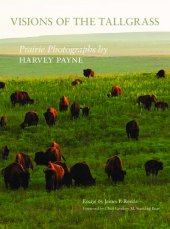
pixel 161 73
pixel 31 118
pixel 80 172
pixel 114 169
pixel 116 91
pixel 146 100
pixel 76 82
pixel 53 175
pixel 5 153
pixel 63 104
pixel 52 154
pixel 3 121
pixel 21 97
pixel 24 160
pixel 67 176
pixel 152 167
pixel 161 105
pixel 51 116
pixel 75 110
pixel 85 111
pixel 88 72
pixel 132 129
pixel 2 85
pixel 15 176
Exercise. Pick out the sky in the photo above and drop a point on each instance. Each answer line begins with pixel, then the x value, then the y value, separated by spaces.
pixel 56 9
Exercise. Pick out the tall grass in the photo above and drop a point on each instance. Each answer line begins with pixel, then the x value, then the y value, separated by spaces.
pixel 92 139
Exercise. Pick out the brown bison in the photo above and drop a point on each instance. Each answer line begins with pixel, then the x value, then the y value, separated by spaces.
pixel 67 176
pixel 31 118
pixel 152 167
pixel 116 91
pixel 161 105
pixel 21 97
pixel 88 72
pixel 75 110
pixel 80 172
pixel 146 100
pixel 114 169
pixel 161 73
pixel 85 111
pixel 53 175
pixel 3 121
pixel 24 160
pixel 63 104
pixel 51 116
pixel 2 85
pixel 52 154
pixel 76 82
pixel 15 176
pixel 5 152
pixel 132 129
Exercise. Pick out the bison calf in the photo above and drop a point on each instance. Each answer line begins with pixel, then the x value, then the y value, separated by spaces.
pixel 161 105
pixel 31 118
pixel 132 129
pixel 85 111
pixel 152 167
pixel 2 85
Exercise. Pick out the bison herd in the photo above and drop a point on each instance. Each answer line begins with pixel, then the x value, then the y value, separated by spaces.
pixel 56 172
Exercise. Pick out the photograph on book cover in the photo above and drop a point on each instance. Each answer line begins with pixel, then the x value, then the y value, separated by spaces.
pixel 84 116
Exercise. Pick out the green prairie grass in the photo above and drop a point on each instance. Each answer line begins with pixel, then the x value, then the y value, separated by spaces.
pixel 92 139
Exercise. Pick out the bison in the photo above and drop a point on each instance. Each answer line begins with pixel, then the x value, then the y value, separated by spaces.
pixel 63 104
pixel 2 85
pixel 161 73
pixel 5 152
pixel 161 105
pixel 116 91
pixel 3 121
pixel 15 176
pixel 76 82
pixel 24 160
pixel 31 118
pixel 21 97
pixel 80 172
pixel 132 129
pixel 85 111
pixel 67 176
pixel 88 72
pixel 75 110
pixel 152 167
pixel 52 154
pixel 51 116
pixel 53 175
pixel 146 100
pixel 114 169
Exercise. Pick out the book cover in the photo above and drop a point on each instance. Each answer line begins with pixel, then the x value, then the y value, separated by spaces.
pixel 84 116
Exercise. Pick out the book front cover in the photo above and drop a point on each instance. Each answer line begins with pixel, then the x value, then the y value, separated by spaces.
pixel 84 117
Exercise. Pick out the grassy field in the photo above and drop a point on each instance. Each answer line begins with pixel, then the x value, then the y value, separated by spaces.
pixel 10 66
pixel 92 139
